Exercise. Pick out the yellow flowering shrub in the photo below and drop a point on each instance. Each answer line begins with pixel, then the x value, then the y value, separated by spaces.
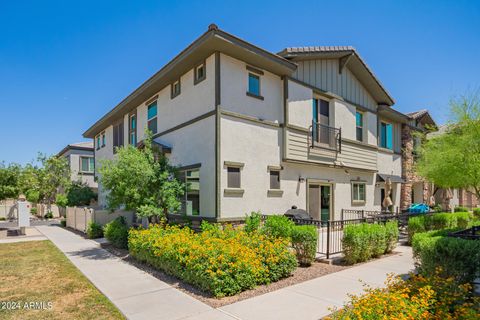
pixel 418 297
pixel 222 262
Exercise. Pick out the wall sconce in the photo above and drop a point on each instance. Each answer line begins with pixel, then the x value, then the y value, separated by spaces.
pixel 301 179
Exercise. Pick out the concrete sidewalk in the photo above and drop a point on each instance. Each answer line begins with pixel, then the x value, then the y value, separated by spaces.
pixel 139 295
pixel 312 299
pixel 135 293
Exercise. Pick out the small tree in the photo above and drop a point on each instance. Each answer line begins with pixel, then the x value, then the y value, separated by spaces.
pixel 141 180
pixel 452 159
pixel 9 181
pixel 79 194
pixel 54 177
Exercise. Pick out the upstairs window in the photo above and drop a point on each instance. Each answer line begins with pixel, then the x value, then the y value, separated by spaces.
pixel 117 135
pixel 358 192
pixel 132 129
pixel 87 164
pixel 152 117
pixel 98 142
pixel 253 85
pixel 200 73
pixel 104 139
pixel 359 126
pixel 175 89
pixel 386 135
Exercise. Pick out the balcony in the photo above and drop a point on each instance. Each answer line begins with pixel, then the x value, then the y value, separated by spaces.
pixel 325 137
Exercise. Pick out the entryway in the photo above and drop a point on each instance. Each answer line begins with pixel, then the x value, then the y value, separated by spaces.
pixel 319 199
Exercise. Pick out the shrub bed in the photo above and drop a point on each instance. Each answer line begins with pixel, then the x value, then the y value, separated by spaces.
pixel 364 241
pixel 418 297
pixel 94 230
pixel 438 221
pixel 222 262
pixel 116 232
pixel 304 241
pixel 458 258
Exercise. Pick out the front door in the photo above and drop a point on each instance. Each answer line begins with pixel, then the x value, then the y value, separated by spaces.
pixel 319 201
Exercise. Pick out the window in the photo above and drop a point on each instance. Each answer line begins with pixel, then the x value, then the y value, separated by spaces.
pixel 233 177
pixel 253 85
pixel 87 164
pixel 104 139
pixel 132 129
pixel 117 135
pixel 359 126
pixel 191 201
pixel 200 73
pixel 358 192
pixel 274 180
pixel 98 142
pixel 175 89
pixel 152 117
pixel 386 135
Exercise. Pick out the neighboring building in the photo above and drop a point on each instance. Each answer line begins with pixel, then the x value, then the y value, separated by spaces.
pixel 416 189
pixel 81 160
pixel 251 130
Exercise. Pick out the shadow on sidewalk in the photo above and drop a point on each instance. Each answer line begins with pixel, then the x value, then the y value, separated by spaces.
pixel 93 254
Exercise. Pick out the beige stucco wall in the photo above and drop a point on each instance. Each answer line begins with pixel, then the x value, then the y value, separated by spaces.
pixel 193 101
pixel 234 86
pixel 196 144
pixel 299 105
pixel 258 146
pixel 76 175
pixel 389 162
pixel 103 153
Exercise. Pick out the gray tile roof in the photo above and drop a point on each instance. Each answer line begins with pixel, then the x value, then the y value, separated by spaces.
pixel 318 49
pixel 417 114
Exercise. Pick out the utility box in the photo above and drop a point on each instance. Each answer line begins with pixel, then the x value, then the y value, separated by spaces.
pixel 23 213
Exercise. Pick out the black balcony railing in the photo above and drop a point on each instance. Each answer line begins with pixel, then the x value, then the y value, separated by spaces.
pixel 326 137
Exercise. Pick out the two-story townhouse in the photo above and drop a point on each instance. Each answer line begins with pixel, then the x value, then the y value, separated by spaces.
pixel 252 130
pixel 80 157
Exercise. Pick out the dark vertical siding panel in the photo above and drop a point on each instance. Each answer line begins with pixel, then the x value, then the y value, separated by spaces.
pixel 324 75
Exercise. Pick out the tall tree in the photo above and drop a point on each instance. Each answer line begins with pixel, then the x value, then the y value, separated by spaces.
pixel 141 180
pixel 452 159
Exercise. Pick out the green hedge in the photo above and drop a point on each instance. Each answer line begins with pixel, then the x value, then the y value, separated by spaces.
pixel 278 226
pixel 94 230
pixel 476 213
pixel 364 241
pixel 304 241
pixel 460 209
pixel 223 262
pixel 438 221
pixel 457 258
pixel 116 232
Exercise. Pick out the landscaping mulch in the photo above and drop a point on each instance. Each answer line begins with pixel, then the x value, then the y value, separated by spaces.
pixel 301 274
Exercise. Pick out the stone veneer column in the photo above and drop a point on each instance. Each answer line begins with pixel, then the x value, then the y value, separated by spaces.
pixel 407 167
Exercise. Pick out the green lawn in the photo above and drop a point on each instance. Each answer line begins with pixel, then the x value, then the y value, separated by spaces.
pixel 37 271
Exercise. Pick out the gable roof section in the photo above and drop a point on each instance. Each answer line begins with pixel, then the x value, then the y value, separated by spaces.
pixel 355 63
pixel 86 146
pixel 424 117
pixel 211 41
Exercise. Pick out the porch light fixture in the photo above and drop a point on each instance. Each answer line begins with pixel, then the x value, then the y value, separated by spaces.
pixel 301 179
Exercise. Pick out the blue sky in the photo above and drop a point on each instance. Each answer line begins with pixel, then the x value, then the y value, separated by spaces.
pixel 63 64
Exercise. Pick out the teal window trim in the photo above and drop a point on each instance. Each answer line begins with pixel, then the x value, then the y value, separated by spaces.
pixel 386 135
pixel 152 110
pixel 254 84
pixel 359 126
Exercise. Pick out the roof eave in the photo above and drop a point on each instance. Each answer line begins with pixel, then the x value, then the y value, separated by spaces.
pixel 217 38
